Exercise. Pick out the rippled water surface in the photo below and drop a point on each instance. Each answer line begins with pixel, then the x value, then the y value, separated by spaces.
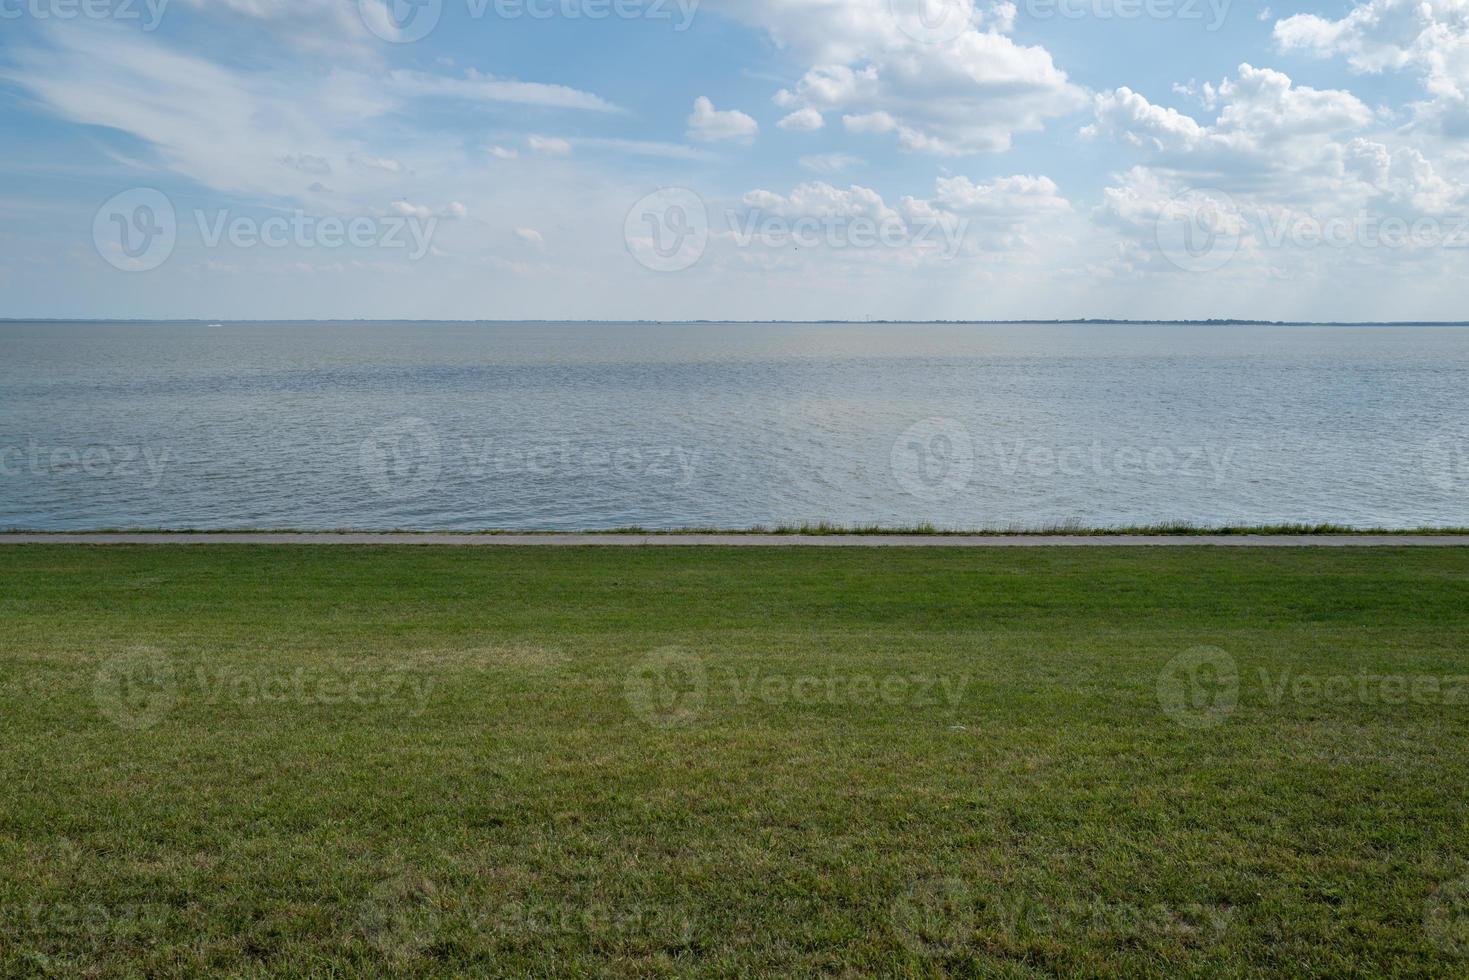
pixel 387 425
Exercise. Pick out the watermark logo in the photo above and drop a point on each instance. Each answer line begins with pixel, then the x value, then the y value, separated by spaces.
pixel 401 21
pixel 1212 12
pixel 135 689
pixel 1446 462
pixel 932 21
pixel 403 459
pixel 934 459
pixel 406 21
pixel 940 235
pixel 400 920
pixel 668 230
pixel 150 12
pixel 136 231
pixel 1446 917
pixel 1199 688
pixel 934 916
pixel 1199 230
pixel 412 233
pixel 142 464
pixel 667 688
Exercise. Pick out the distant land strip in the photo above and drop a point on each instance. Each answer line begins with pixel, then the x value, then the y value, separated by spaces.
pixel 745 540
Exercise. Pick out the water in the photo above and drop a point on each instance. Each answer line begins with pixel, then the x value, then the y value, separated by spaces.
pixel 562 426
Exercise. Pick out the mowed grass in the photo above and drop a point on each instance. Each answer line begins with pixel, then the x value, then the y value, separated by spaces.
pixel 291 761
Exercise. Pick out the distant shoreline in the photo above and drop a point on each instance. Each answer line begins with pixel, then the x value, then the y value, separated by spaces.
pixel 1174 530
pixel 1086 321
pixel 745 540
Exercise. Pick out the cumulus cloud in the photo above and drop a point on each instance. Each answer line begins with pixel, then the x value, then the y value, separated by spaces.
pixel 968 90
pixel 966 216
pixel 1264 124
pixel 1430 37
pixel 1275 157
pixel 803 120
pixel 1017 196
pixel 708 124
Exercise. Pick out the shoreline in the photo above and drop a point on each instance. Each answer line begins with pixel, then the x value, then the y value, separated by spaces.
pixel 748 540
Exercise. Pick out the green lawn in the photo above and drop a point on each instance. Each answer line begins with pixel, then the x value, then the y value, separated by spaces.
pixel 1017 763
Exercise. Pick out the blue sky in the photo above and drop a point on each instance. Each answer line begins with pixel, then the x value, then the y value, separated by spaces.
pixel 759 159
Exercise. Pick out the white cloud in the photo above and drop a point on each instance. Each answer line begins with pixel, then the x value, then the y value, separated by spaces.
pixel 960 94
pixel 821 200
pixel 802 121
pixel 503 153
pixel 1277 159
pixel 366 161
pixel 531 238
pixel 553 146
pixel 477 87
pixel 1431 35
pixel 1017 196
pixel 1427 36
pixel 1264 125
pixel 708 124
pixel 829 163
pixel 452 211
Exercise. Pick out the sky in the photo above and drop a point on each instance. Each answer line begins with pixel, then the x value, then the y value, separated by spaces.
pixel 734 159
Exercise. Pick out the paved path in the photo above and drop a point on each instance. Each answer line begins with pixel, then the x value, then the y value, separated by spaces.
pixel 763 540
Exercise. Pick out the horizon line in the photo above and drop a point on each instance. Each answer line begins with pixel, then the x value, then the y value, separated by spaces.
pixel 1101 321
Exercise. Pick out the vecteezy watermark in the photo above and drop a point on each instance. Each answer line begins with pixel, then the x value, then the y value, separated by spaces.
pixel 305 231
pixel 940 234
pixel 99 461
pixel 671 925
pixel 1446 917
pixel 1201 230
pixel 137 689
pixel 667 688
pixel 933 459
pixel 407 459
pixel 138 230
pixel 148 12
pixel 401 918
pixel 937 459
pixel 404 916
pixel 403 459
pixel 1212 13
pixel 89 921
pixel 932 21
pixel 935 917
pixel 668 230
pixel 1429 690
pixel 860 689
pixel 673 688
pixel 1199 688
pixel 1446 462
pixel 406 21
